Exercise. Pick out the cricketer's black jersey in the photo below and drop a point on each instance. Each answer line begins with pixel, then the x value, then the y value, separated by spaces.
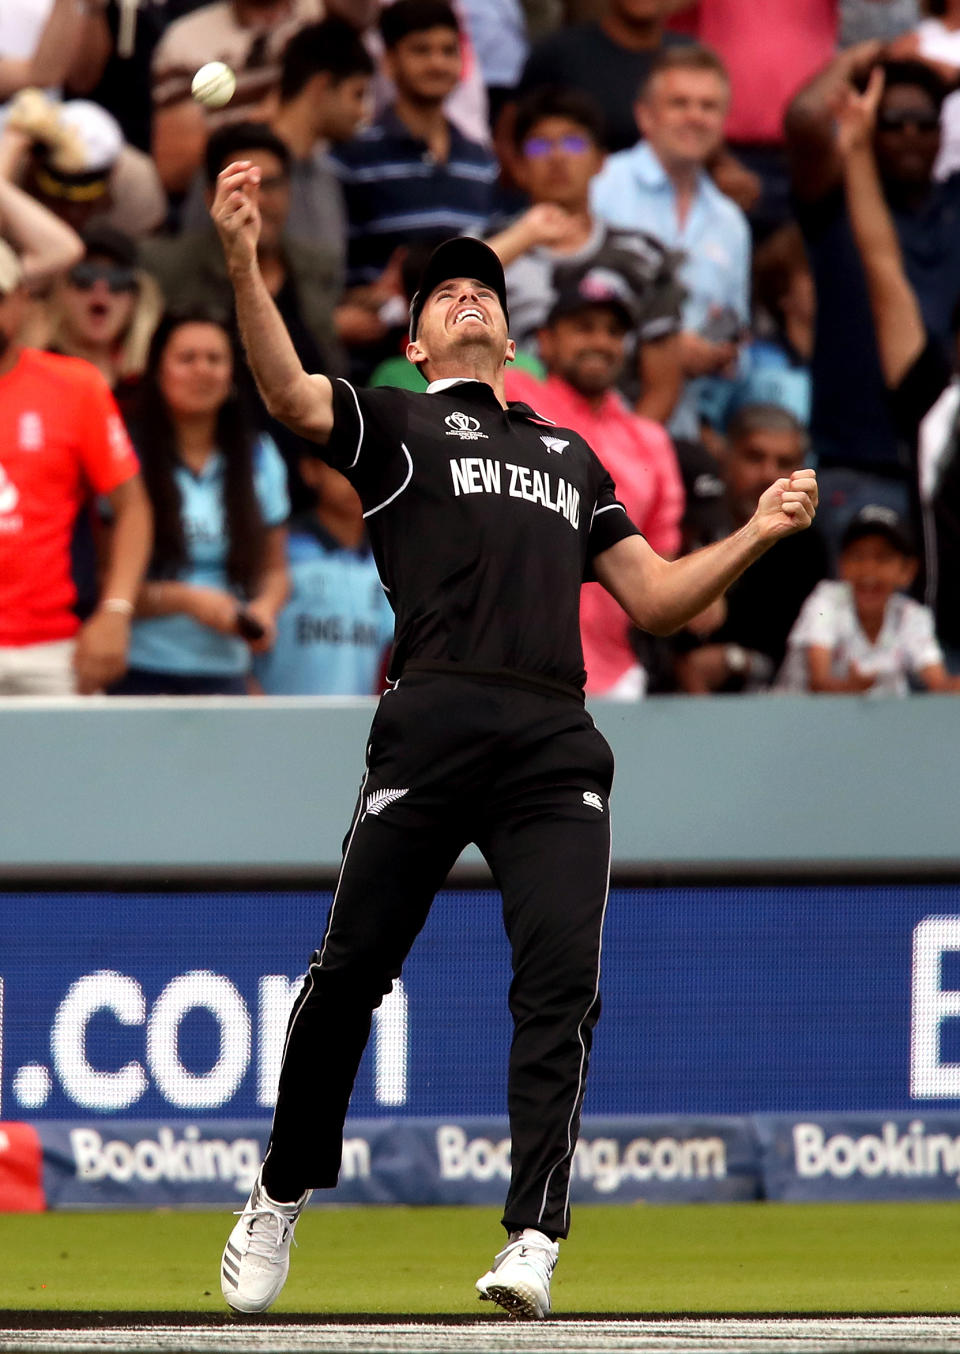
pixel 483 522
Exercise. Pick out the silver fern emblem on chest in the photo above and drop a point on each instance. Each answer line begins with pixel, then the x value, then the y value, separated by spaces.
pixel 382 799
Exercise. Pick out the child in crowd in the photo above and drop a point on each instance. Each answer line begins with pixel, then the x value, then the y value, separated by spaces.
pixel 333 634
pixel 862 633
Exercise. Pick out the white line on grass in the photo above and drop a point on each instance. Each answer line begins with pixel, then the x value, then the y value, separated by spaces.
pixel 715 1335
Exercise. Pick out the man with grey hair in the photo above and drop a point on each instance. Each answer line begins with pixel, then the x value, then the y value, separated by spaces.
pixel 744 652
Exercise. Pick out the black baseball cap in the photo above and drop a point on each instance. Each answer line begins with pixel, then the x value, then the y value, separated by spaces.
pixel 877 520
pixel 462 256
pixel 595 287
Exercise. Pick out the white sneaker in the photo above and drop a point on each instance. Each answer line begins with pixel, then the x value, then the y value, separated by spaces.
pixel 256 1258
pixel 519 1280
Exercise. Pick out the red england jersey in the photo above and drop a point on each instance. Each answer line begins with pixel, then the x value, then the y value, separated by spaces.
pixel 61 439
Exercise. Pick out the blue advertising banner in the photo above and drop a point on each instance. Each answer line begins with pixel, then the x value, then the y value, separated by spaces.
pixel 859 1156
pixel 406 1161
pixel 813 1158
pixel 717 1001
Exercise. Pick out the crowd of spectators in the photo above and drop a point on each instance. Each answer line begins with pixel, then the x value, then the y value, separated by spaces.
pixel 731 236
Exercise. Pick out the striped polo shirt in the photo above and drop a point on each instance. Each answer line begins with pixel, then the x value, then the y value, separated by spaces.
pixel 397 192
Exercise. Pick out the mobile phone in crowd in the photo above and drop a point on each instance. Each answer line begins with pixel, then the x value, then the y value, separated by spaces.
pixel 723 325
pixel 248 627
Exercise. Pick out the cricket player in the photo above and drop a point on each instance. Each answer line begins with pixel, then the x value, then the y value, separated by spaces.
pixel 484 519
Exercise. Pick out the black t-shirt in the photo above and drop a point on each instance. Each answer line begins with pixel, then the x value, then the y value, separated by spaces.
pixel 484 522
pixel 764 602
pixel 583 57
pixel 124 87
pixel 850 420
pixel 910 402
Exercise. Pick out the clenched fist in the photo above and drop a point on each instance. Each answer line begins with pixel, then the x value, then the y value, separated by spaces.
pixel 788 506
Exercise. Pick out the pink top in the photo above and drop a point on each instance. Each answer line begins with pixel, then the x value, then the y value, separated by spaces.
pixel 640 457
pixel 770 48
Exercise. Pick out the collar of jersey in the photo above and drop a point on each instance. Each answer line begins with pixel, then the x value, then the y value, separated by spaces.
pixel 484 392
pixel 435 387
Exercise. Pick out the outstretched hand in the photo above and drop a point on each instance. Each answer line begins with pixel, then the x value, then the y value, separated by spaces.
pixel 236 212
pixel 856 114
pixel 788 506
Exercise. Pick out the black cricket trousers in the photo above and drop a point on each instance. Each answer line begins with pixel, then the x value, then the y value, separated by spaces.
pixel 524 773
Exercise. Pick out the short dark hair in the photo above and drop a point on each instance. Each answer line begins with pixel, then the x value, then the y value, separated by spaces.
pixel 557 101
pixel 226 144
pixel 415 16
pixel 691 56
pixel 331 47
pixel 773 418
pixel 917 73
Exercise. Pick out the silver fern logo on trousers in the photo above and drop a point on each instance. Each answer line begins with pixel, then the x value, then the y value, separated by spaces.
pixel 382 799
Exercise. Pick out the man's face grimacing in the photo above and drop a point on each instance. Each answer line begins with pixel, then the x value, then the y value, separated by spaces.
pixel 587 349
pixel 425 66
pixel 682 115
pixel 754 461
pixel 461 321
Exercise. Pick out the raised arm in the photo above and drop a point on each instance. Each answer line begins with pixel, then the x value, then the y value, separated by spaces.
pixel 662 595
pixel 809 122
pixel 302 401
pixel 901 333
pixel 47 246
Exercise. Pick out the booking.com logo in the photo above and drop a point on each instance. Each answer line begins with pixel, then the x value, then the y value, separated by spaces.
pixel 243 1039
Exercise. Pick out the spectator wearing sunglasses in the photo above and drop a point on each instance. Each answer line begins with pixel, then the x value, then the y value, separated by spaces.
pixel 559 150
pixel 861 458
pixel 936 39
pixel 60 436
pixel 105 310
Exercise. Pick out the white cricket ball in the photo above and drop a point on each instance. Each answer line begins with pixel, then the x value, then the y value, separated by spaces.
pixel 214 84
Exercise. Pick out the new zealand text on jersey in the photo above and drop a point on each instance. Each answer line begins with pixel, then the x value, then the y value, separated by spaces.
pixel 479 475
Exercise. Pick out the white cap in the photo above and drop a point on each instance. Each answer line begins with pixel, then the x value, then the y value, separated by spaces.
pixel 92 141
pixel 11 273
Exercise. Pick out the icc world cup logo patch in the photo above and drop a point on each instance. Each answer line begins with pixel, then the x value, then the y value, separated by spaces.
pixel 464 426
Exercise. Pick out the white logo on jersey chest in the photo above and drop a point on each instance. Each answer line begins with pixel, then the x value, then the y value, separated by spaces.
pixel 464 426
pixel 556 444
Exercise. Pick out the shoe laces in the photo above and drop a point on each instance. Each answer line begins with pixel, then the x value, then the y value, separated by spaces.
pixel 541 1254
pixel 267 1230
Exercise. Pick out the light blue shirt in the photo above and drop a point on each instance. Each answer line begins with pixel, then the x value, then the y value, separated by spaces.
pixel 634 190
pixel 334 630
pixel 498 32
pixel 178 643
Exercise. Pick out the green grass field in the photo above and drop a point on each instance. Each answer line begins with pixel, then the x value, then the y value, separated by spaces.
pixel 693 1258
